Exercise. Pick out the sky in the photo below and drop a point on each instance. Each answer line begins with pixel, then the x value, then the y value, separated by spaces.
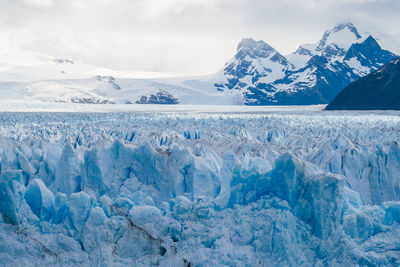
pixel 181 37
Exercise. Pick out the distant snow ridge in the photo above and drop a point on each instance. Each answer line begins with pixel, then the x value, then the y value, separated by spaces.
pixel 314 189
pixel 314 74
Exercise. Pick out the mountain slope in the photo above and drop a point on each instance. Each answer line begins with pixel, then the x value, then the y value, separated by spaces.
pixel 378 90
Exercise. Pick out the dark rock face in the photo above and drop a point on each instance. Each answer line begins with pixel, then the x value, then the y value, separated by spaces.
pixel 161 97
pixel 379 90
pixel 110 80
pixel 90 100
pixel 63 61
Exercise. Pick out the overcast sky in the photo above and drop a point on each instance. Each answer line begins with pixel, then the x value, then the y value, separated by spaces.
pixel 178 36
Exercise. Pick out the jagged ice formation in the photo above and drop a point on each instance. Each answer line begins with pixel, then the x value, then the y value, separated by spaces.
pixel 206 189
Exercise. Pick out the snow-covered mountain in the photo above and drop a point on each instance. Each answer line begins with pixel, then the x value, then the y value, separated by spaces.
pixel 255 61
pixel 257 75
pixel 313 74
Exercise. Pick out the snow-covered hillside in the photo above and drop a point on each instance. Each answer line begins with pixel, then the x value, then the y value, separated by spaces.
pixel 291 188
pixel 107 89
pixel 21 65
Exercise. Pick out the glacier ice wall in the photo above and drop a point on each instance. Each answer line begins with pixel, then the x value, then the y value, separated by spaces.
pixel 207 189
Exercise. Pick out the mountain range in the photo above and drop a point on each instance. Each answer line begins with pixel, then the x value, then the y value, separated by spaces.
pixel 313 74
pixel 257 75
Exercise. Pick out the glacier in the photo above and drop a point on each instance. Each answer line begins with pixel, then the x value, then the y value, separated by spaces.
pixel 272 188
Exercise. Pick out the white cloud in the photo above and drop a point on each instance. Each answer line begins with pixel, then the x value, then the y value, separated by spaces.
pixel 39 3
pixel 185 36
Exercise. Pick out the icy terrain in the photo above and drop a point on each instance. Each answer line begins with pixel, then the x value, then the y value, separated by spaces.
pixel 255 188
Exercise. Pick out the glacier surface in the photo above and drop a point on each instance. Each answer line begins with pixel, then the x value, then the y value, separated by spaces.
pixel 274 188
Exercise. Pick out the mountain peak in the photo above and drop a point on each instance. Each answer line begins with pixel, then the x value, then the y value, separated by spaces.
pixel 253 44
pixel 371 40
pixel 253 48
pixel 349 26
pixel 342 35
pixel 335 42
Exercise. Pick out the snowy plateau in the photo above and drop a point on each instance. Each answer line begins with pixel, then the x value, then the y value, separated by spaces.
pixel 195 187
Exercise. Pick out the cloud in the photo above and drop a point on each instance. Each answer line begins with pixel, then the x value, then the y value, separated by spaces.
pixel 39 3
pixel 152 9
